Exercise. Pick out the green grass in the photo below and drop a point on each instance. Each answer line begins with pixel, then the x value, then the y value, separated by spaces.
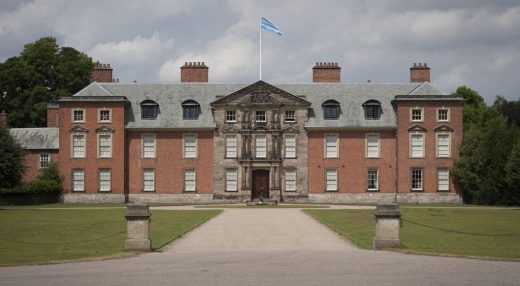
pixel 462 223
pixel 43 235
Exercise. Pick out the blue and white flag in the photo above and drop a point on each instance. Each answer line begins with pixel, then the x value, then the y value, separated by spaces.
pixel 270 26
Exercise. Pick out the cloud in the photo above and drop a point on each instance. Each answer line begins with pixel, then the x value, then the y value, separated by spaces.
pixel 133 52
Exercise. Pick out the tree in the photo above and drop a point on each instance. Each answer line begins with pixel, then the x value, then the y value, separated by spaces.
pixel 43 71
pixel 12 163
pixel 510 109
pixel 486 146
pixel 512 193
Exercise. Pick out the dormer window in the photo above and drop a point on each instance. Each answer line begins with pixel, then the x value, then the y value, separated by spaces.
pixel 372 109
pixel 190 110
pixel 330 109
pixel 149 110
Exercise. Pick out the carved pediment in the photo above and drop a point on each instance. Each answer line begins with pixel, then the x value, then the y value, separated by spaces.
pixel 443 128
pixel 228 128
pixel 105 128
pixel 78 128
pixel 417 128
pixel 260 94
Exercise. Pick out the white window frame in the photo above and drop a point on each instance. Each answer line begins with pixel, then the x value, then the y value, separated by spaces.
pixel 290 148
pixel 78 180
pixel 101 179
pixel 437 145
pixel 258 116
pixel 231 151
pixel 369 146
pixel 447 114
pixel 411 144
pixel 231 180
pixel 109 120
pixel 99 153
pixel 291 118
pixel 331 184
pixel 146 187
pixel 74 147
pixel 290 179
pixel 412 115
pixel 144 152
pixel 46 161
pixel 229 114
pixel 74 117
pixel 421 172
pixel 376 179
pixel 445 177
pixel 186 153
pixel 260 153
pixel 190 180
pixel 334 153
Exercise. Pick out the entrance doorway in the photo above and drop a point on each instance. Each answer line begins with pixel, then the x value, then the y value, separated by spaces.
pixel 260 184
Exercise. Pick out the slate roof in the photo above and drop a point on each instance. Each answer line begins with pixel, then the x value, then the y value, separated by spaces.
pixel 37 138
pixel 351 96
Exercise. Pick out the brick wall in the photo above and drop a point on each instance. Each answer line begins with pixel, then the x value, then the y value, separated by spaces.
pixel 32 161
pixel 91 164
pixel 169 163
pixel 430 163
pixel 351 165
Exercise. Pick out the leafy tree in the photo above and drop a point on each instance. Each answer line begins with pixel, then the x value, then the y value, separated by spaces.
pixel 486 146
pixel 512 193
pixel 43 71
pixel 12 163
pixel 510 109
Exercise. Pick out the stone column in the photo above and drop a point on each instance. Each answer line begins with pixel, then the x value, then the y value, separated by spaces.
pixel 137 232
pixel 387 226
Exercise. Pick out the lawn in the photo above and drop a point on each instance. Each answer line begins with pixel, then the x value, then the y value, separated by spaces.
pixel 43 235
pixel 279 206
pixel 454 231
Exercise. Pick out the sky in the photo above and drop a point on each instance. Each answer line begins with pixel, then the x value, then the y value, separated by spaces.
pixel 465 42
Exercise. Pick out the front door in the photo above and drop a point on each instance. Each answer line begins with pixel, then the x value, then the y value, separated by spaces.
pixel 260 184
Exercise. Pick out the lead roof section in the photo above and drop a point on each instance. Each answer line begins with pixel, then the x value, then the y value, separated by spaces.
pixel 37 138
pixel 351 97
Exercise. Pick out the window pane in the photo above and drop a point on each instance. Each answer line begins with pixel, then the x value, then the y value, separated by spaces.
pixel 417 145
pixel 78 177
pixel 44 160
pixel 148 146
pixel 231 180
pixel 290 116
pixel 372 179
pixel 190 146
pixel 290 180
pixel 416 114
pixel 260 116
pixel 149 180
pixel 231 116
pixel 105 145
pixel 442 115
pixel 290 147
pixel 104 180
pixel 78 146
pixel 189 180
pixel 78 115
pixel 443 177
pixel 417 177
pixel 149 111
pixel 231 147
pixel 331 146
pixel 443 145
pixel 261 146
pixel 331 179
pixel 104 115
pixel 373 146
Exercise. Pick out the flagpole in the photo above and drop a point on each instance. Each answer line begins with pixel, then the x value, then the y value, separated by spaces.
pixel 260 50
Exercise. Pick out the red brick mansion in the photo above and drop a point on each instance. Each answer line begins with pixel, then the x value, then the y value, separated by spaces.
pixel 199 142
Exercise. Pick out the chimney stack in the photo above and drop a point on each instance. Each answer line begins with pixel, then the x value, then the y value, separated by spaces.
pixel 194 72
pixel 102 73
pixel 53 115
pixel 420 73
pixel 326 72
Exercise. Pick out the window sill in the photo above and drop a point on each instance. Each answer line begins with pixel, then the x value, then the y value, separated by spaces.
pixel 373 191
pixel 372 158
pixel 290 191
pixel 78 191
pixel 417 157
pixel 437 157
pixel 443 191
pixel 189 192
pixel 417 191
pixel 231 191
pixel 147 191
pixel 331 191
pixel 104 192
